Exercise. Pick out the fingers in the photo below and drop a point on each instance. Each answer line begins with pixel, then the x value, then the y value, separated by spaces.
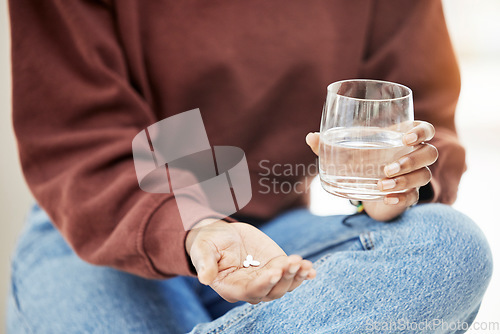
pixel 312 139
pixel 286 280
pixel 262 285
pixel 423 156
pixel 303 273
pixel 204 258
pixel 414 179
pixel 423 131
pixel 402 200
pixel 277 282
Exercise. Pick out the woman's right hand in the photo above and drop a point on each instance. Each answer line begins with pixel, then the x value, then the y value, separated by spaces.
pixel 218 249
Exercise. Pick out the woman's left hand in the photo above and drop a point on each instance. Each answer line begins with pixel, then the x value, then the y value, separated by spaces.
pixel 409 172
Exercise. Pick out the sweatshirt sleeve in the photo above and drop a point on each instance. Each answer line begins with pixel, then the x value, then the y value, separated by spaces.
pixel 409 44
pixel 75 114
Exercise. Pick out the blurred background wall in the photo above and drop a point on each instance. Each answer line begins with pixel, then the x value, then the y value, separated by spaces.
pixel 14 195
pixel 475 30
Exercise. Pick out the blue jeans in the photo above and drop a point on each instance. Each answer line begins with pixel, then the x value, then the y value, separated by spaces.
pixel 425 272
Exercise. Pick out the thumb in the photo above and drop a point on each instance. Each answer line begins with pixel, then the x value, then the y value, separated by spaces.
pixel 312 139
pixel 204 258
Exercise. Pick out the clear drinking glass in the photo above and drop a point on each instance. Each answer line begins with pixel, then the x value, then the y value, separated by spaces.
pixel 362 127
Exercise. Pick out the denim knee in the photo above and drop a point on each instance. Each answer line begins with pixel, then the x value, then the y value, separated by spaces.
pixel 459 246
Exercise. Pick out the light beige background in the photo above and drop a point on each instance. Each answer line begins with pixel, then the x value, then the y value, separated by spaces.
pixel 474 26
pixel 14 196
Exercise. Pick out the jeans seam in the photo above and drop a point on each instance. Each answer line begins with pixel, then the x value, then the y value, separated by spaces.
pixel 370 240
pixel 322 260
pixel 313 250
pixel 367 240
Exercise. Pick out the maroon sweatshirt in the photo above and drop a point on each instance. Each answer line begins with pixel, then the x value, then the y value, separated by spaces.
pixel 89 75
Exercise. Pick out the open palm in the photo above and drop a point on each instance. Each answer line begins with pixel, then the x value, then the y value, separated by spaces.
pixel 219 249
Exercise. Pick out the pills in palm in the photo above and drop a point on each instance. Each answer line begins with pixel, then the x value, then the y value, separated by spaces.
pixel 250 262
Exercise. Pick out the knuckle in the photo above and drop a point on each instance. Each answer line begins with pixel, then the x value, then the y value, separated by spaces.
pixel 421 132
pixel 411 197
pixel 401 182
pixel 403 199
pixel 409 162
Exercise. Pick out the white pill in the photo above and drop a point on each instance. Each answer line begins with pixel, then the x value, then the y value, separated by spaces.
pixel 250 262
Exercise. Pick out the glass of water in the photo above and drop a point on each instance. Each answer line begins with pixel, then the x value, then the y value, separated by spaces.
pixel 362 130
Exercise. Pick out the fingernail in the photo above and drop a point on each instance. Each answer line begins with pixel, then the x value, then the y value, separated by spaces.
pixel 294 268
pixel 391 200
pixel 387 184
pixel 274 279
pixel 308 137
pixel 392 169
pixel 410 138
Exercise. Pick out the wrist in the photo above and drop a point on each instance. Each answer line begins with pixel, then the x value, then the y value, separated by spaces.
pixel 191 235
pixel 380 211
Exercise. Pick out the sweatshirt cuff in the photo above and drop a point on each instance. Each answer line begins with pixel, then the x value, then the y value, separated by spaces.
pixel 165 234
